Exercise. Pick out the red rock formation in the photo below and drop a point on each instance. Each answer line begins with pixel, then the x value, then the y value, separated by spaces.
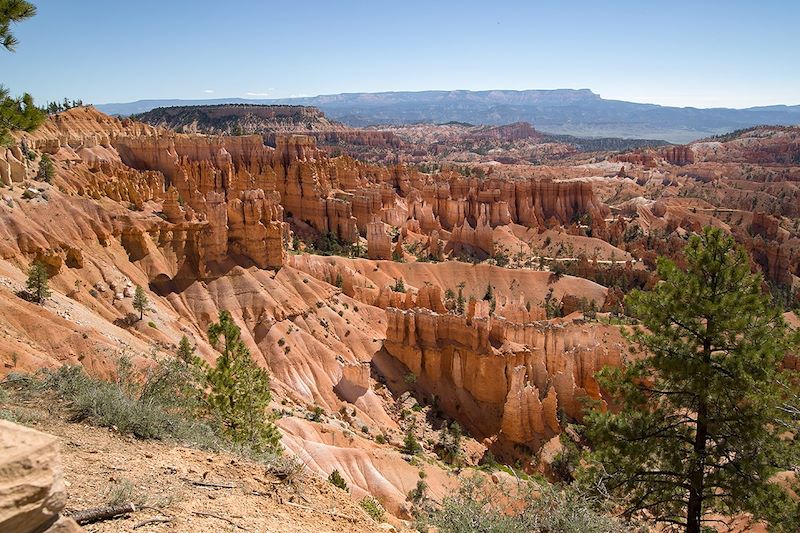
pixel 379 244
pixel 256 228
pixel 495 375
pixel 679 155
pixel 645 159
pixel 210 182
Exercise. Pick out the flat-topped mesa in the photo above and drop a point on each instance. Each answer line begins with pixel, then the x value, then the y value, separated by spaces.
pixel 268 121
pixel 221 118
pixel 500 377
pixel 507 132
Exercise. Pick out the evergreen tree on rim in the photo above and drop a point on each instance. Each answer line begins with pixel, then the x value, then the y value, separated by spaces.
pixel 705 406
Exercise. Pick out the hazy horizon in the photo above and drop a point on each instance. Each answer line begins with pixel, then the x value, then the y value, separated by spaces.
pixel 256 99
pixel 718 54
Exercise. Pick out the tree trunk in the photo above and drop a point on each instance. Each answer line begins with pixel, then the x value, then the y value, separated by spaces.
pixel 694 512
pixel 97 514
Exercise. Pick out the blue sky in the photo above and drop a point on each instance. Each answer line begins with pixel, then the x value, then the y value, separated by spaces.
pixel 708 53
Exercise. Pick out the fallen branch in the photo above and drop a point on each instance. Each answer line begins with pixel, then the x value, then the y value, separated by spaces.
pixel 231 522
pixel 97 514
pixel 200 483
pixel 329 513
pixel 157 520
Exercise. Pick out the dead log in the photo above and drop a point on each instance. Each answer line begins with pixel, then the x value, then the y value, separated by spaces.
pixel 97 514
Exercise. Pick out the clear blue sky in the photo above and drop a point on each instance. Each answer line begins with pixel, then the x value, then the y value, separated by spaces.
pixel 707 53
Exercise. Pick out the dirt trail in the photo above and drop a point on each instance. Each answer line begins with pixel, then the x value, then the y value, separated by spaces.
pixel 98 462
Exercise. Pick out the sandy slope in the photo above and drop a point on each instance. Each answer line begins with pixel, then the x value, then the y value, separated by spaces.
pixel 97 460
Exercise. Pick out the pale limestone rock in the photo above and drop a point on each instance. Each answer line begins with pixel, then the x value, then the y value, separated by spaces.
pixel 32 489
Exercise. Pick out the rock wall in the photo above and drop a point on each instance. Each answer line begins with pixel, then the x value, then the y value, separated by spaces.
pixel 502 377
pixel 236 192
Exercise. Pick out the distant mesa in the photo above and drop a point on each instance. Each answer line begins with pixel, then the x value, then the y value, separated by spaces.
pixel 581 113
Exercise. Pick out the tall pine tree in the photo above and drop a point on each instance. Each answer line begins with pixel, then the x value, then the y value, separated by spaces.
pixel 239 389
pixel 140 301
pixel 701 425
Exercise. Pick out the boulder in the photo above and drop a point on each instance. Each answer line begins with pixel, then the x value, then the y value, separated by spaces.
pixel 32 489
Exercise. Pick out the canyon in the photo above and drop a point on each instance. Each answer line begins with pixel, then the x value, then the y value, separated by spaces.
pixel 403 294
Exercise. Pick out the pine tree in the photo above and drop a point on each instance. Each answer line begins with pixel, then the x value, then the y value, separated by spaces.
pixel 239 390
pixel 450 443
pixel 702 398
pixel 186 350
pixel 399 285
pixel 140 301
pixel 15 113
pixel 489 295
pixel 46 169
pixel 461 301
pixel 410 443
pixel 37 284
pixel 13 11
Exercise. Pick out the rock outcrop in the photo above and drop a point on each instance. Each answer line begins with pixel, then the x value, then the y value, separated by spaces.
pixel 498 376
pixel 236 191
pixel 32 491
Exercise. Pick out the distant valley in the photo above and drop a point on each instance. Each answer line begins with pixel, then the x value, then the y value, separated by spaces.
pixel 580 113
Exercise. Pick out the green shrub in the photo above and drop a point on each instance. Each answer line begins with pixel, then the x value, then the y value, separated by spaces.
pixel 170 401
pixel 399 285
pixel 540 508
pixel 418 494
pixel 410 444
pixel 156 409
pixel 316 414
pixel 337 480
pixel 373 508
pixel 124 491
